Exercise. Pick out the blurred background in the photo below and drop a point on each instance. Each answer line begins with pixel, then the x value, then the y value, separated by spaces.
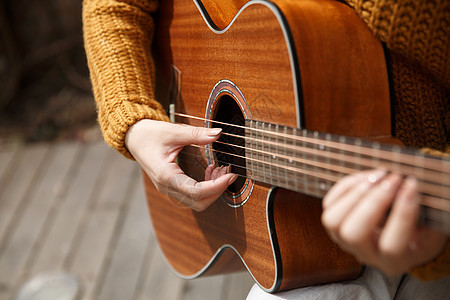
pixel 45 92
pixel 73 216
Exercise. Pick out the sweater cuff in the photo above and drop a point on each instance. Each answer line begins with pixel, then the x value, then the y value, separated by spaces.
pixel 116 124
pixel 435 269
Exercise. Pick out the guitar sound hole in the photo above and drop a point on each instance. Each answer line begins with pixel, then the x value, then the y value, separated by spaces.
pixel 230 148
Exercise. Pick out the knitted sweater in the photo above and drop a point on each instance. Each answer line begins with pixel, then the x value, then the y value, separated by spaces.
pixel 118 36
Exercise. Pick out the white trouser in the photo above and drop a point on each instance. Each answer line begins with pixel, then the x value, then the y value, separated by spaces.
pixel 372 285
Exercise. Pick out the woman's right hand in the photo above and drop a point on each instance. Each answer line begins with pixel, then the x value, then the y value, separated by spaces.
pixel 156 144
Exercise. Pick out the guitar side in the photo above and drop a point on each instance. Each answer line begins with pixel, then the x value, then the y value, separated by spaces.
pixel 276 235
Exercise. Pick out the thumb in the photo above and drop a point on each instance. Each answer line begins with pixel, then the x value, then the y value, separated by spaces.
pixel 185 134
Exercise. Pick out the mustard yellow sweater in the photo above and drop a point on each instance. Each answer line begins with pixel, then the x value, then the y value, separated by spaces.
pixel 118 36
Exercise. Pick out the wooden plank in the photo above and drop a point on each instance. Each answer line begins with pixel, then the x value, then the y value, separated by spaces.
pixel 160 282
pixel 61 236
pixel 7 153
pixel 238 285
pixel 129 254
pixel 88 260
pixel 14 194
pixel 129 266
pixel 205 288
pixel 36 216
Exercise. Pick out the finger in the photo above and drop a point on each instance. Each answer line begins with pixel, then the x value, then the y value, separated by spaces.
pixel 221 171
pixel 185 135
pixel 211 190
pixel 211 187
pixel 360 226
pixel 224 170
pixel 209 171
pixel 401 224
pixel 216 172
pixel 213 172
pixel 347 196
pixel 349 182
pixel 214 196
pixel 337 190
pixel 198 195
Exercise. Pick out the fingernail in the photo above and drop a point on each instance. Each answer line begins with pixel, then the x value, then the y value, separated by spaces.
pixel 376 175
pixel 391 182
pixel 213 131
pixel 411 181
pixel 412 184
pixel 232 179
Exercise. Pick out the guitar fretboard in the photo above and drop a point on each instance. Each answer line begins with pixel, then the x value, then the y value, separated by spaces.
pixel 311 162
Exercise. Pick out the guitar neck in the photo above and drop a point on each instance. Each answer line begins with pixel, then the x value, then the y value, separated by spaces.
pixel 311 162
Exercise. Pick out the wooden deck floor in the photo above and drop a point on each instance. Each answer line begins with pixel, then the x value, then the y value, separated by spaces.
pixel 80 208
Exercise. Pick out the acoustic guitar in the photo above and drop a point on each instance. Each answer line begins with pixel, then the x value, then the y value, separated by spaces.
pixel 301 90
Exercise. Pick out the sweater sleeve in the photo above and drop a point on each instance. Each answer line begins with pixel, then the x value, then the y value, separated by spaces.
pixel 418 30
pixel 439 267
pixel 118 36
pixel 417 36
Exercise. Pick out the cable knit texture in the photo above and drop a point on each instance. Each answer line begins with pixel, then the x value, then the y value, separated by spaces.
pixel 118 37
pixel 417 29
pixel 417 35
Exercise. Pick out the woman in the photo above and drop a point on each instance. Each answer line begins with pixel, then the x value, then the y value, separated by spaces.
pixel 118 40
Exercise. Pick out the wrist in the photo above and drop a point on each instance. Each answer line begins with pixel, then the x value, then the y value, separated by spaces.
pixel 133 132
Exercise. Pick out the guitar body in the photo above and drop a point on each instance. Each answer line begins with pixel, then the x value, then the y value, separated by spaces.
pixel 304 64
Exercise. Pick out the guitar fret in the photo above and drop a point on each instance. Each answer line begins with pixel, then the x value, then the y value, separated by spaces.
pixel 305 178
pixel 258 154
pixel 264 172
pixel 358 143
pixel 249 146
pixel 254 146
pixel 275 158
pixel 376 149
pixel 313 162
pixel 271 157
pixel 261 154
pixel 320 160
pixel 419 162
pixel 328 138
pixel 316 180
pixel 341 140
pixel 297 178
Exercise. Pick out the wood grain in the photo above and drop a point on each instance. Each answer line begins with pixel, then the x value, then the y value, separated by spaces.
pixel 343 70
pixel 340 69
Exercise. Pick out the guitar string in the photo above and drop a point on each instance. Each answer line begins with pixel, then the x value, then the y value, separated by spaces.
pixel 430 175
pixel 426 188
pixel 427 200
pixel 292 159
pixel 427 162
pixel 361 162
pixel 429 188
pixel 440 206
pixel 405 158
pixel 423 158
pixel 247 169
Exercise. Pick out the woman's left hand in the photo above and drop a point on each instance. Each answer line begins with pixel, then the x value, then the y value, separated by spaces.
pixel 373 215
